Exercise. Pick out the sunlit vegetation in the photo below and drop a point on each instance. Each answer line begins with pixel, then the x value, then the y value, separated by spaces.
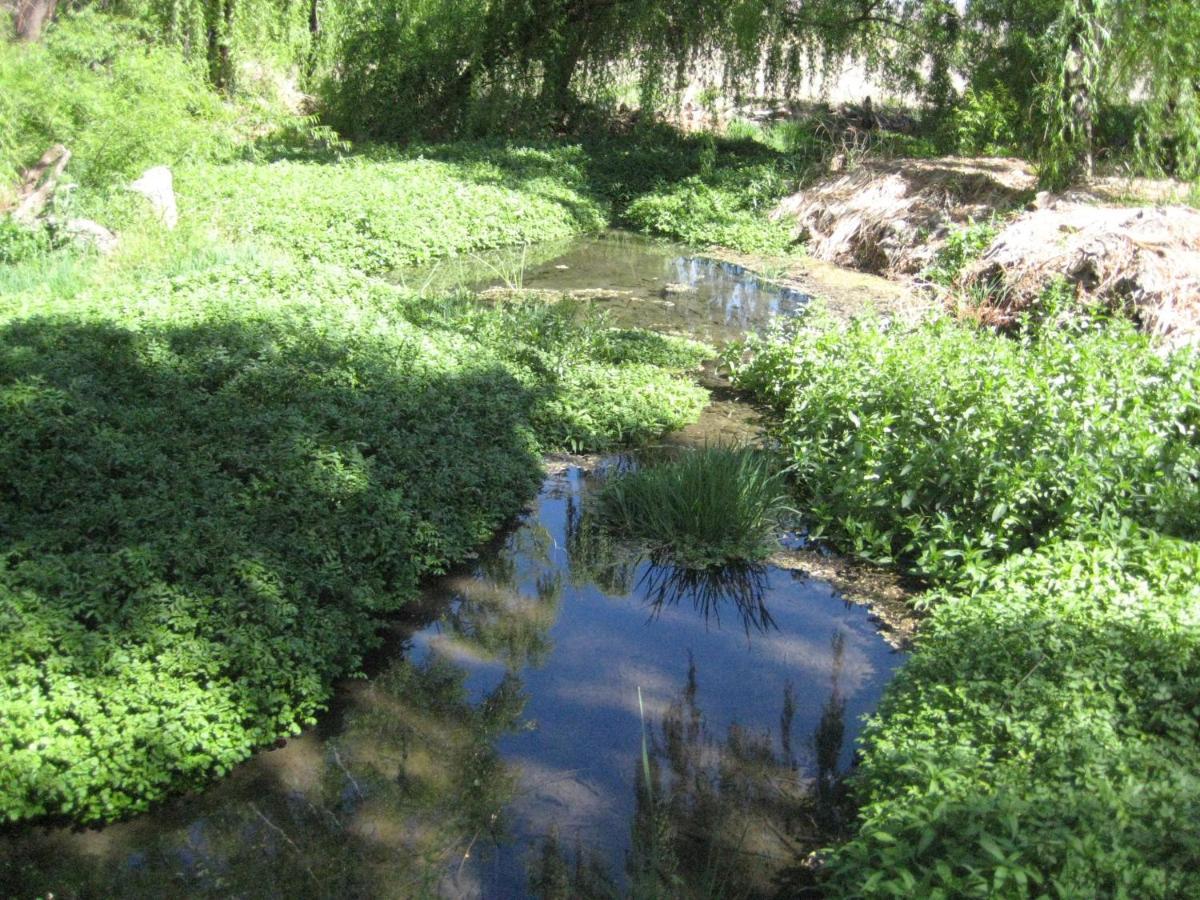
pixel 1043 735
pixel 947 447
pixel 706 507
pixel 1058 754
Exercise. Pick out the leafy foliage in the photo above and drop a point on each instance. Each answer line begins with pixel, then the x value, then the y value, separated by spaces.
pixel 1025 474
pixel 1058 756
pixel 223 463
pixel 946 447
pixel 117 102
pixel 963 245
pixel 985 122
pixel 694 212
pixel 380 212
pixel 704 508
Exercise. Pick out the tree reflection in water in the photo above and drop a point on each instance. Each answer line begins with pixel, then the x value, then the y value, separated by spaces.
pixel 388 806
pixel 718 818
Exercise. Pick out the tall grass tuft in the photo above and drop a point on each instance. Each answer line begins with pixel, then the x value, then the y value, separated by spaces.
pixel 707 507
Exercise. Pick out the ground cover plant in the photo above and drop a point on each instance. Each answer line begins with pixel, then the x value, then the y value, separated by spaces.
pixel 705 507
pixel 382 210
pixel 229 449
pixel 1042 739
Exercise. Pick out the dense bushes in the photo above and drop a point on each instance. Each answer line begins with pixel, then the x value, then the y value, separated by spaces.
pixel 117 102
pixel 947 447
pixel 1045 739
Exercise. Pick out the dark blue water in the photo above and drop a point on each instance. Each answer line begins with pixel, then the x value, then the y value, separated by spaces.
pixel 763 654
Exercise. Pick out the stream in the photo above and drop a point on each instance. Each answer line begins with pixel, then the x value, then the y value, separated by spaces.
pixel 560 718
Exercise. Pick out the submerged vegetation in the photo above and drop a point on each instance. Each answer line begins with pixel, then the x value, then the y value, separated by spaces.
pixel 703 508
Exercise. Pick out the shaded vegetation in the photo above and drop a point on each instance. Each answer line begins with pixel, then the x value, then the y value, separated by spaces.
pixel 216 486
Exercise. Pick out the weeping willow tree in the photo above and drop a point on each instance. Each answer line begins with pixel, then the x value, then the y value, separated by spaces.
pixel 296 34
pixel 1084 76
pixel 1078 75
pixel 430 63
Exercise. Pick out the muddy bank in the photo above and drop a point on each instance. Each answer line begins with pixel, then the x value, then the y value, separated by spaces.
pixel 1125 246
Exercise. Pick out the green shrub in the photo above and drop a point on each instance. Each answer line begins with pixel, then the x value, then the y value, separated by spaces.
pixel 984 122
pixel 946 447
pixel 19 244
pixel 703 508
pixel 964 244
pixel 1043 740
pixel 697 213
pixel 119 103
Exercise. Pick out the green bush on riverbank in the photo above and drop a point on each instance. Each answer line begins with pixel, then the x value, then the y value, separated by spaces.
pixel 945 448
pixel 1043 738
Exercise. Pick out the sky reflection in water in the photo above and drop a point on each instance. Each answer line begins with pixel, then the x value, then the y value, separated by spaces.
pixel 496 751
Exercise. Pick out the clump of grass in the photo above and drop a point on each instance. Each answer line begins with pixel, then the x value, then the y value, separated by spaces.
pixel 707 507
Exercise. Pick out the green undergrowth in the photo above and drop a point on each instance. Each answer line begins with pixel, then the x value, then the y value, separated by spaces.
pixel 383 210
pixel 703 508
pixel 1044 740
pixel 944 448
pixel 226 452
pixel 699 189
pixel 119 102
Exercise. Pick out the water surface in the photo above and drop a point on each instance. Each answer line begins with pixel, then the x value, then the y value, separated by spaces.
pixel 563 718
pixel 638 281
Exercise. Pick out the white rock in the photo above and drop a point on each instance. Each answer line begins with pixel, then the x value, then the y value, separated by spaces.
pixel 89 234
pixel 158 186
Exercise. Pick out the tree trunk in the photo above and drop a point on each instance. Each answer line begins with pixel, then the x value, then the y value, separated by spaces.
pixel 556 80
pixel 220 38
pixel 1081 81
pixel 31 18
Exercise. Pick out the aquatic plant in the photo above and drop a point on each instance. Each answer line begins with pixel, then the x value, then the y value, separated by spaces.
pixel 706 507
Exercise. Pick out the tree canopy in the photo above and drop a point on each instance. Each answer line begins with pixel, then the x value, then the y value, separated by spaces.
pixel 1066 76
